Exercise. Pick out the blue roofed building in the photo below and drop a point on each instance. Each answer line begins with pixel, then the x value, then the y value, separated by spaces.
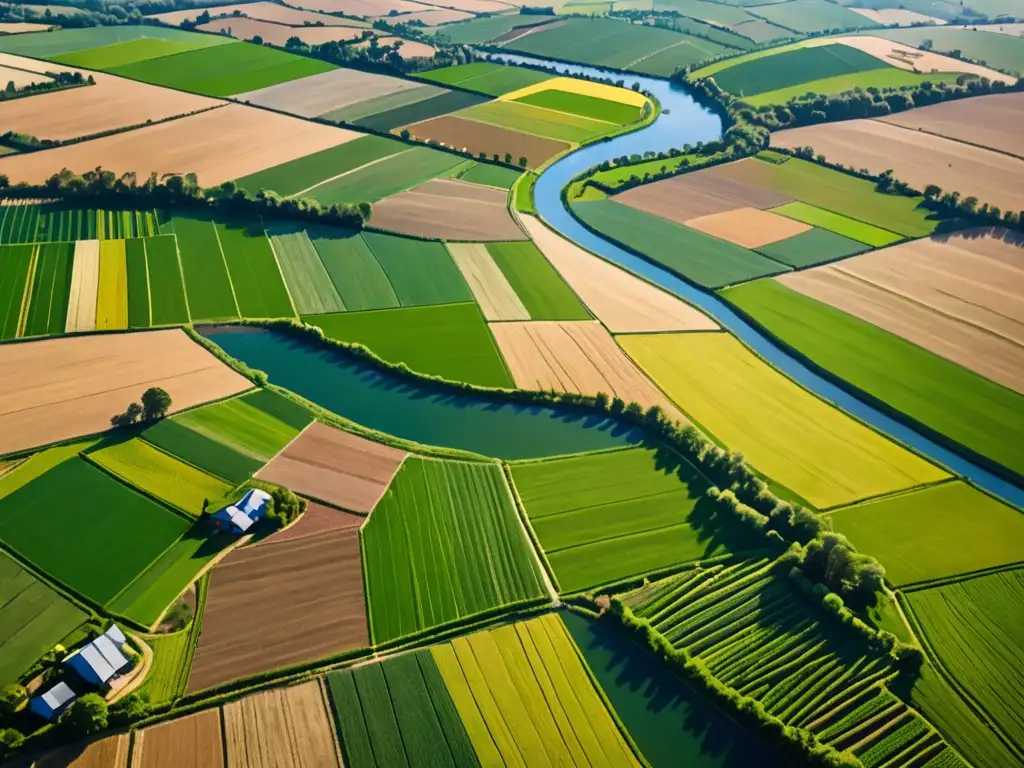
pixel 99 661
pixel 240 516
pixel 50 704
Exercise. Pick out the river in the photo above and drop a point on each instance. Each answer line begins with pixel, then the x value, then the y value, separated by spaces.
pixel 683 121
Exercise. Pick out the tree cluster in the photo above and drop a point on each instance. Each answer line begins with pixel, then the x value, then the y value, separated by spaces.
pixel 155 404
pixel 58 81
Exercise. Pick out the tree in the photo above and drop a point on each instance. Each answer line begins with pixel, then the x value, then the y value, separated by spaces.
pixel 13 698
pixel 155 403
pixel 10 738
pixel 522 162
pixel 87 715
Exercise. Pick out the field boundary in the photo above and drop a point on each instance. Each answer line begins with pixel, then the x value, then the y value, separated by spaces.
pixel 540 556
pixel 942 581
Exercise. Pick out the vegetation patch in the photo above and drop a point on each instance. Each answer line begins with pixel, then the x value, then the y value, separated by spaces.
pixel 491 175
pixel 836 222
pixel 450 101
pixel 483 77
pixel 814 246
pixel 166 289
pixel 201 451
pixel 358 277
pixel 207 282
pixel 255 276
pixel 395 173
pixel 51 289
pixel 118 54
pixel 583 105
pixel 15 265
pixel 539 287
pixel 138 283
pixel 308 283
pixel 420 272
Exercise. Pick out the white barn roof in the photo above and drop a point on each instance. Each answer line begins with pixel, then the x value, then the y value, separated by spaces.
pixel 246 511
pixel 101 659
pixel 47 704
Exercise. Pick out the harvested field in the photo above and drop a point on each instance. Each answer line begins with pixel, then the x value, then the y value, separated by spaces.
pixel 265 11
pixel 283 726
pixel 477 137
pixel 701 193
pixel 575 357
pixel 278 34
pixel 748 227
pixel 917 158
pixel 111 752
pixel 430 18
pixel 899 16
pixel 959 296
pixel 97 378
pixel 446 209
pixel 907 57
pixel 85 280
pixel 497 299
pixel 365 8
pixel 327 92
pixel 621 301
pixel 336 467
pixel 226 143
pixel 113 102
pixel 987 120
pixel 310 606
pixel 318 519
pixel 410 48
pixel 193 740
pixel 20 27
pixel 20 78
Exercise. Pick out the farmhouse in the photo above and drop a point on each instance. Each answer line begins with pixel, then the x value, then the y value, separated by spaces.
pixel 100 660
pixel 49 705
pixel 238 517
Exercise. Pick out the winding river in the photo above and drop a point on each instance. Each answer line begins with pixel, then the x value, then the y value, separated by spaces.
pixel 683 121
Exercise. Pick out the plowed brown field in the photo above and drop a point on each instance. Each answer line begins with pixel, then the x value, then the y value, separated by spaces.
pixel 281 603
pixel 575 357
pixel 280 14
pixel 914 59
pixel 188 741
pixel 447 209
pixel 464 134
pixel 317 94
pixel 336 467
pixel 318 519
pixel 223 144
pixel 960 296
pixel 278 34
pixel 359 7
pixel 917 158
pixel 281 727
pixel 490 287
pixel 56 389
pixel 111 752
pixel 620 300
pixel 748 227
pixel 430 18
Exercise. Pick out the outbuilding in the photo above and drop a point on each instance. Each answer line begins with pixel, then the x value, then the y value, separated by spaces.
pixel 50 704
pixel 97 662
pixel 240 516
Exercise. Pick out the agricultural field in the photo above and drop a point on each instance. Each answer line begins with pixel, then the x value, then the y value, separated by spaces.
pixel 398 713
pixel 492 291
pixel 461 132
pixel 172 657
pixel 799 441
pixel 36 617
pixel 309 286
pixel 490 175
pixel 99 377
pixel 934 533
pixel 1002 51
pixel 540 289
pixel 278 34
pixel 204 269
pixel 47 45
pixel 60 222
pixel 487 78
pixel 525 695
pixel 388 113
pixel 809 16
pixel 454 527
pixel 604 517
pixel 264 11
pixel 540 121
pixel 814 246
pixel 837 223
pixel 255 275
pixel 192 740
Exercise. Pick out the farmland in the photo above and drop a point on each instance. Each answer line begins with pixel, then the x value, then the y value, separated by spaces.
pixel 36 617
pixel 390 112
pixel 398 712
pixel 935 532
pixel 462 133
pixel 814 246
pixel 47 45
pixel 255 275
pixel 58 222
pixel 605 517
pixel 455 527
pixel 487 78
pixel 419 273
pixel 1002 51
pixel 835 222
pixel 492 291
pixel 799 441
pixel 813 16
pixel 357 275
pixel 524 695
pixel 541 121
pixel 544 295
pixel 192 740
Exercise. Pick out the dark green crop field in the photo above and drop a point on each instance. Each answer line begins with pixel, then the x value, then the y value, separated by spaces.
pixel 790 68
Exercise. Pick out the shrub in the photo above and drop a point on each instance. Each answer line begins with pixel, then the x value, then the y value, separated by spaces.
pixel 87 715
pixel 13 698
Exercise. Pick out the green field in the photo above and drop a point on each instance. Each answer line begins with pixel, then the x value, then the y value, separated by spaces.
pixel 166 288
pixel 356 274
pixel 201 451
pixel 420 272
pixel 310 287
pixel 15 263
pixel 398 713
pixel 207 282
pixel 670 722
pixel 835 222
pixel 809 16
pixel 491 175
pixel 1005 52
pixel 889 77
pixel 935 532
pixel 414 111
pixel 35 618
pixel 396 173
pixel 700 258
pixel 20 224
pixel 118 54
pixel 39 464
pixel 807 445
pixel 69 521
pixel 541 289
pixel 526 698
pixel 138 283
pixel 42 45
pixel 443 543
pixel 538 121
pixel 605 517
pixel 585 106
pixel 970 409
pixel 487 78
pixel 140 464
pixel 224 70
pixel 387 102
pixel 451 340
pixel 171 664
pixel 815 246
pixel 296 176
pixel 51 287
pixel 255 275
pixel 973 630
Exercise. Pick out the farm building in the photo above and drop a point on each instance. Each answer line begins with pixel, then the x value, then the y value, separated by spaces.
pixel 100 660
pixel 239 517
pixel 49 705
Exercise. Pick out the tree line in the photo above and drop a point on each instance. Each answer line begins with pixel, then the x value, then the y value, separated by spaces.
pixel 58 81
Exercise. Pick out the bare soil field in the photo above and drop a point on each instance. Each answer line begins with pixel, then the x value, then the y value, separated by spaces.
pixel 701 193
pixel 620 300
pixel 113 102
pixel 192 740
pixel 1012 30
pixel 446 209
pixel 992 121
pixel 278 604
pixel 318 519
pixel 85 283
pixel 431 18
pixel 20 78
pixel 748 227
pixel 278 34
pixel 279 14
pixel 224 144
pixel 318 94
pixel 464 134
pixel 960 296
pixel 490 287
pixel 914 59
pixel 20 27
pixel 478 6
pixel 917 158
pixel 34 65
pixel 899 16
pixel 111 752
pixel 283 726
pixel 335 467
pixel 359 7
pixel 575 357
pixel 56 389
pixel 410 48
